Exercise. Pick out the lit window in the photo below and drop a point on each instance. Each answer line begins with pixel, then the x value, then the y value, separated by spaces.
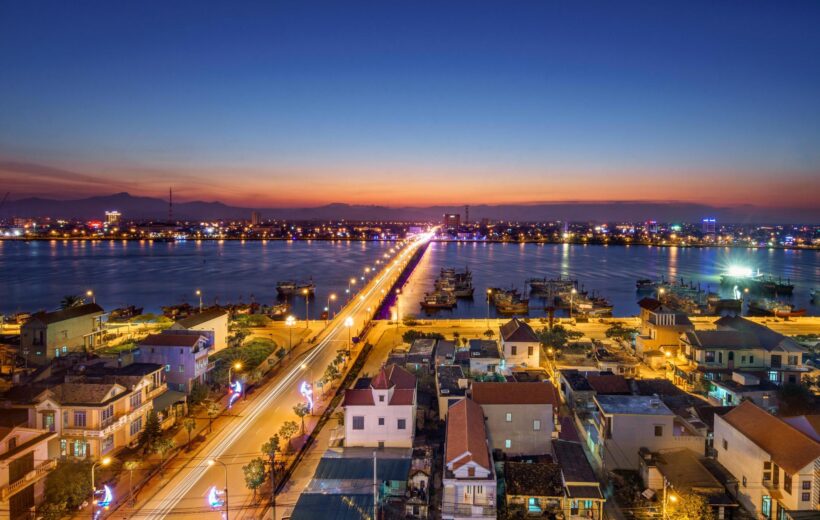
pixel 509 417
pixel 508 443
pixel 536 425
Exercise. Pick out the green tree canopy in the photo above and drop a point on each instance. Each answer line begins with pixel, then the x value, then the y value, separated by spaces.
pixel 254 474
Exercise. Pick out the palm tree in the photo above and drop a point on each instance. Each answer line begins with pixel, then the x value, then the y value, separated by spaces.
pixel 189 424
pixel 71 300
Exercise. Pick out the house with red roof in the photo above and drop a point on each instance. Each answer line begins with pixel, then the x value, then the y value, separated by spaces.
pixel 381 412
pixel 520 344
pixel 469 475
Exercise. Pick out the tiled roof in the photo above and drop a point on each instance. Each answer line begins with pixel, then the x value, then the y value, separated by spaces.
pixel 402 396
pixel 518 331
pixel 67 314
pixel 466 435
pixel 393 376
pixel 533 479
pixel 515 393
pixel 788 447
pixel 358 397
pixel 83 393
pixel 722 339
pixel 767 338
pixel 649 304
pixel 574 463
pixel 195 320
pixel 169 339
pixel 609 384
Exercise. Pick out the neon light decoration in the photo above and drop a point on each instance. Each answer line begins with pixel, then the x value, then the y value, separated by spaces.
pixel 307 392
pixel 107 497
pixel 236 392
pixel 215 498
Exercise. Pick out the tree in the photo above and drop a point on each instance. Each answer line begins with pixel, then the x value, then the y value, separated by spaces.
pixel 130 466
pixel 199 393
pixel 795 399
pixel 340 417
pixel 331 374
pixel 301 410
pixel 689 506
pixel 67 487
pixel 212 410
pixel 151 433
pixel 164 447
pixel 411 335
pixel 71 300
pixel 254 474
pixel 190 425
pixel 271 448
pixel 489 333
pixel 288 429
pixel 557 336
pixel 456 335
pixel 618 331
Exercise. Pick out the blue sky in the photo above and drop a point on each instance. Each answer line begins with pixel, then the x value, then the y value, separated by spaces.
pixel 373 102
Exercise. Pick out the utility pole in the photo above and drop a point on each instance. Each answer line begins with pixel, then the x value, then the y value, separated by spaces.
pixel 375 491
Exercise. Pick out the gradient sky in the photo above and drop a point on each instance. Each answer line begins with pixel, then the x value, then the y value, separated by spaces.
pixel 412 103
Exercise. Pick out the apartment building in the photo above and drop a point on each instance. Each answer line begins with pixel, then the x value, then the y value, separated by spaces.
pixel 776 464
pixel 49 335
pixel 24 465
pixel 184 355
pixel 660 328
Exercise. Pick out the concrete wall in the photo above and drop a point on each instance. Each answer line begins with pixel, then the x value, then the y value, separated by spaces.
pixel 388 433
pixel 65 336
pixel 630 433
pixel 524 439
pixel 521 356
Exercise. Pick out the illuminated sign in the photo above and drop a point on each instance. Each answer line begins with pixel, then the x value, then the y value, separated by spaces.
pixel 307 392
pixel 236 392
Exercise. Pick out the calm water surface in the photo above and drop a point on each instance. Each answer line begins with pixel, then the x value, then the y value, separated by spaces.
pixel 36 275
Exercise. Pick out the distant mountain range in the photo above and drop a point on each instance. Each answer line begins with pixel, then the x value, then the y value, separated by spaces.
pixel 136 207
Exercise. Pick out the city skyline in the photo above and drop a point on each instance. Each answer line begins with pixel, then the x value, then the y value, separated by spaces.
pixel 283 106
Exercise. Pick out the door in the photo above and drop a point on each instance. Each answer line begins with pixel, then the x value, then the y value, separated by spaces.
pixel 731 359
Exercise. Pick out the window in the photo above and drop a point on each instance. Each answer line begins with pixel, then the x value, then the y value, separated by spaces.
pixel 787 483
pixel 402 424
pixel 744 480
pixel 182 368
pixel 513 350
pixel 107 414
pixel 776 361
pixel 167 368
pixel 508 443
pixel 63 447
pixel 793 360
pixel 529 351
pixel 48 422
pixel 710 356
pixel 536 425
pixel 767 471
pixel 65 418
pixel 806 485
pixel 381 421
pixel 805 497
pixel 725 444
pixel 65 349
pixel 79 419
pixel 742 359
pixel 751 359
pixel 107 444
pixel 80 449
pixel 136 400
pixel 56 352
pixel 658 430
pixel 358 422
pixel 381 398
pixel 471 471
pixel 508 417
pixel 136 426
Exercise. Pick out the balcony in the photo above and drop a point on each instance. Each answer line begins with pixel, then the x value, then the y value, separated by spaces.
pixel 38 473
pixel 468 511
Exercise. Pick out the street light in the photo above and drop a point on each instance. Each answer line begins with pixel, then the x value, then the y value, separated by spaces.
pixel 104 462
pixel 235 366
pixel 572 293
pixel 349 325
pixel 330 298
pixel 489 294
pixel 307 309
pixel 290 321
pixel 211 462
pixel 667 497
pixel 350 282
pixel 199 293
pixel 91 295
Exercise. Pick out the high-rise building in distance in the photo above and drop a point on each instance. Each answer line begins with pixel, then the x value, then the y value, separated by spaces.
pixel 709 225
pixel 113 218
pixel 256 218
pixel 452 221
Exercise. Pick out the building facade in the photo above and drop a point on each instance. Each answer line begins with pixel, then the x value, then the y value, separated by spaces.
pixel 519 344
pixel 24 465
pixel 184 356
pixel 49 335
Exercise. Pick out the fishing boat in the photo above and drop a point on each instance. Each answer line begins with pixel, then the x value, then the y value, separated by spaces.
pixel 717 305
pixel 438 300
pixel 770 307
pixel 645 285
pixel 460 283
pixel 552 287
pixel 756 282
pixel 290 287
pixel 277 310
pixel 509 302
pixel 124 313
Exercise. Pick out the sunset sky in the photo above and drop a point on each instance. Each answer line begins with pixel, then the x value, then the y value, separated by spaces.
pixel 412 103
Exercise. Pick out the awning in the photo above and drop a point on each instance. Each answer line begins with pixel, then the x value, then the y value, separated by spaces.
pixel 169 398
pixel 591 492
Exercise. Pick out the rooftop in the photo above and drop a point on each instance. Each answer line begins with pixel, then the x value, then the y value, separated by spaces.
pixel 722 339
pixel 448 377
pixel 195 320
pixel 608 383
pixel 515 393
pixel 766 337
pixel 632 405
pixel 86 309
pixel 542 479
pixel 484 348
pixel 574 463
pixel 84 393
pixel 169 339
pixel 466 437
pixel 516 330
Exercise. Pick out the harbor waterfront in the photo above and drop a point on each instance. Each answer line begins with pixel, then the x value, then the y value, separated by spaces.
pixel 37 275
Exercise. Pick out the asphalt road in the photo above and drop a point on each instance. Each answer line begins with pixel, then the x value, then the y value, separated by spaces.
pixel 184 495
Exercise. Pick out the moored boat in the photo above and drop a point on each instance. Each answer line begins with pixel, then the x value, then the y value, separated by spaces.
pixel 290 287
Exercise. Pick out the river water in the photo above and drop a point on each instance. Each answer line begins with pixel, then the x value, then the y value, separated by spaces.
pixel 36 275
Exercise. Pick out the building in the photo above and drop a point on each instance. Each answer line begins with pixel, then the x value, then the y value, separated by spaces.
pixel 660 329
pixel 256 218
pixel 24 465
pixel 533 488
pixel 583 498
pixel 776 464
pixel 451 387
pixel 184 356
pixel 49 335
pixel 709 226
pixel 680 471
pixel 383 414
pixel 469 478
pixel 520 345
pixel 452 221
pixel 113 218
pixel 623 424
pixel 607 383
pixel 742 387
pixel 91 419
pixel 445 352
pixel 421 355
pixel 520 417
pixel 485 357
pixel 575 389
pixel 214 321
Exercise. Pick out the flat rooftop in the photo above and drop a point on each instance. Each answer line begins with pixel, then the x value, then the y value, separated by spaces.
pixel 632 404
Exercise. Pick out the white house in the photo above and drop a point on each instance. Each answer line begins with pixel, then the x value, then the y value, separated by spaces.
pixel 777 465
pixel 212 320
pixel 24 465
pixel 382 414
pixel 519 344
pixel 623 424
pixel 469 475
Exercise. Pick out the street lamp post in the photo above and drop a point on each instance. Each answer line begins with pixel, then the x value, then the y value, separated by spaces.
pixel 290 321
pixel 667 497
pixel 199 294
pixel 350 282
pixel 91 295
pixel 489 294
pixel 349 325
pixel 235 366
pixel 330 298
pixel 211 462
pixel 307 308
pixel 104 462
pixel 571 295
